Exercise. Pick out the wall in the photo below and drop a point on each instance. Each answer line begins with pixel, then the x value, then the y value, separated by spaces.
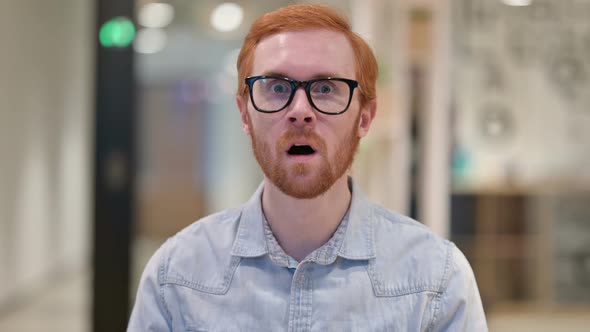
pixel 521 95
pixel 45 140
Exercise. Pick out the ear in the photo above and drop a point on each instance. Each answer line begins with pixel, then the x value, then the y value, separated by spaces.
pixel 366 118
pixel 243 108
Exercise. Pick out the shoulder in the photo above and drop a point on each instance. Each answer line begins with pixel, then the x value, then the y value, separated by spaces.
pixel 198 256
pixel 208 233
pixel 407 233
pixel 410 257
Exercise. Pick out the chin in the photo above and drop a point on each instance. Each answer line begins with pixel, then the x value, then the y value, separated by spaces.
pixel 302 184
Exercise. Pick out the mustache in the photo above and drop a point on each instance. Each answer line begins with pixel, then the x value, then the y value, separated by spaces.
pixel 307 134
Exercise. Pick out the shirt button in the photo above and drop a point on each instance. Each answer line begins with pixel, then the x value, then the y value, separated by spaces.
pixel 301 279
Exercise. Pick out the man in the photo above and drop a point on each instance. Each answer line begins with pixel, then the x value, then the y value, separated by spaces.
pixel 308 252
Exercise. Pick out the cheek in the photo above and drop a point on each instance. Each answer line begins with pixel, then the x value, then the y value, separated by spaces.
pixel 333 140
pixel 264 126
pixel 254 120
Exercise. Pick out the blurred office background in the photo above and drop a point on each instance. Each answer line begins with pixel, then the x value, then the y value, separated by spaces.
pixel 482 133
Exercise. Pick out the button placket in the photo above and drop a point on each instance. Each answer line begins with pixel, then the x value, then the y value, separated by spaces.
pixel 301 299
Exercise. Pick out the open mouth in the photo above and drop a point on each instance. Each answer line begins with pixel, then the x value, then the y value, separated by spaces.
pixel 300 150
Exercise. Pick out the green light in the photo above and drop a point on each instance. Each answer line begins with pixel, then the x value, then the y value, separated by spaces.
pixel 117 32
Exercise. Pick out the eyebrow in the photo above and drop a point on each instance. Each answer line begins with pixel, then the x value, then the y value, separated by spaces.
pixel 278 73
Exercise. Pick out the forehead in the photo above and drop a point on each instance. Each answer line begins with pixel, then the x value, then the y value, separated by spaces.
pixel 305 54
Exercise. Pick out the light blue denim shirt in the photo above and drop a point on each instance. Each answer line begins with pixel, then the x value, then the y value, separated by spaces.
pixel 380 271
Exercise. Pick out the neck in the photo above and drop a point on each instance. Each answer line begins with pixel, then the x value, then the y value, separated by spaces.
pixel 303 225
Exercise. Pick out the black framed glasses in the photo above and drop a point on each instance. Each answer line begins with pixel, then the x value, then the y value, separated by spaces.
pixel 270 94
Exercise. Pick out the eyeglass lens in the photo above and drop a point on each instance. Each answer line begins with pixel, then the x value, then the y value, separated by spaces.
pixel 330 96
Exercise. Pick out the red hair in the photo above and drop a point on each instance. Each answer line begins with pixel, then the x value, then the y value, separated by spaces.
pixel 308 16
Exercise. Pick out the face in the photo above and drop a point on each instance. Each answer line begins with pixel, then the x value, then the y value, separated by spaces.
pixel 300 150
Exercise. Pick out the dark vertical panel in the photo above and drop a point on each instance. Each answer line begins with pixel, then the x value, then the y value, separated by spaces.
pixel 463 215
pixel 416 110
pixel 113 175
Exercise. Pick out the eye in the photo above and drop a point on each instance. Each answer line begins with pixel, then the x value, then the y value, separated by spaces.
pixel 324 87
pixel 279 87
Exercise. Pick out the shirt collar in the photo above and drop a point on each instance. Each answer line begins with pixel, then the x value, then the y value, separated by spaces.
pixel 357 242
pixel 250 240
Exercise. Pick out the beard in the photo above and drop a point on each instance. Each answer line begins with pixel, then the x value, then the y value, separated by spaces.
pixel 304 181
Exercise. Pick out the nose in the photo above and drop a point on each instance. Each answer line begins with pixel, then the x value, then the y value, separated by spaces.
pixel 300 111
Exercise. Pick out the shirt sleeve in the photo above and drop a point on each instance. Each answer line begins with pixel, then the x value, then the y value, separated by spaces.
pixel 459 307
pixel 150 312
